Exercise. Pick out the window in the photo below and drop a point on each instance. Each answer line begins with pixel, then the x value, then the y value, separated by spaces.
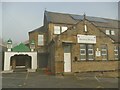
pixel 86 52
pixel 104 51
pixel 85 28
pixel 40 39
pixel 67 48
pixel 90 52
pixel 82 52
pixel 116 52
pixel 64 29
pixel 107 32
pixel 112 32
pixel 57 30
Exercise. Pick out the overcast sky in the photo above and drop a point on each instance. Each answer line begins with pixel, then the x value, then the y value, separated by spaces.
pixel 18 18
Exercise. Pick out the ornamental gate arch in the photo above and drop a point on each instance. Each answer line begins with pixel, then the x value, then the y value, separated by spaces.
pixel 20 61
pixel 9 55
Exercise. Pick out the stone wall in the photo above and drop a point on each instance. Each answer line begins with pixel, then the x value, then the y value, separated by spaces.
pixel 97 64
pixel 94 66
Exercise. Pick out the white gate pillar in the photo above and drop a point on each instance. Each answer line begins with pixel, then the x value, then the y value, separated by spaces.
pixel 7 57
pixel 34 60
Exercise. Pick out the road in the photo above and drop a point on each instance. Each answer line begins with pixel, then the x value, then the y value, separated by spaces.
pixel 41 80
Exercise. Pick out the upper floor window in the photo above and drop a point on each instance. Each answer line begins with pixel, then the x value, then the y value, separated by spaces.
pixel 64 29
pixel 107 32
pixel 40 40
pixel 57 30
pixel 85 28
pixel 112 32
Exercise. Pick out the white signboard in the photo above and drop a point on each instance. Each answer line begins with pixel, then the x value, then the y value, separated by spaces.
pixel 86 39
pixel 98 53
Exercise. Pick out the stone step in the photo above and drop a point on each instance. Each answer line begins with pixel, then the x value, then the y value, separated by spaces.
pixel 20 70
pixel 68 73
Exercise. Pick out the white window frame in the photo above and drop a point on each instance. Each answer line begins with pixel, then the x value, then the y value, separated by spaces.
pixel 116 50
pixel 90 59
pixel 85 28
pixel 107 32
pixel 84 50
pixel 112 32
pixel 82 54
pixel 91 54
pixel 82 59
pixel 104 49
pixel 64 28
pixel 103 53
pixel 56 28
pixel 90 50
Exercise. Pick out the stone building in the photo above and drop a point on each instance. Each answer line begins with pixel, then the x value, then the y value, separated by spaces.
pixel 69 43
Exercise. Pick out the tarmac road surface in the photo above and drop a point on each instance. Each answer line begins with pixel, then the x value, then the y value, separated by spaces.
pixel 41 80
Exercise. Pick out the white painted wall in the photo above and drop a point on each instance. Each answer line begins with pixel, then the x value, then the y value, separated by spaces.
pixel 8 55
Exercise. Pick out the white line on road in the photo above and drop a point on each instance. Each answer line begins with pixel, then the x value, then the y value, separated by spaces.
pixel 97 79
pixel 10 78
pixel 24 83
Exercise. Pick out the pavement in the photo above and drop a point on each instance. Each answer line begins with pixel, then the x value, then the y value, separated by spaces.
pixel 41 80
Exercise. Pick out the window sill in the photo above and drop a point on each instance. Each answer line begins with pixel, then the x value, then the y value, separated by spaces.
pixel 94 60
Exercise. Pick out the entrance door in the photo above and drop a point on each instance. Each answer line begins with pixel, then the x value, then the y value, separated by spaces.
pixel 20 61
pixel 67 58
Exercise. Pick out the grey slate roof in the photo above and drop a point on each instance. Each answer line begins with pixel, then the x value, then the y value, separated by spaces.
pixel 40 29
pixel 65 18
pixel 59 18
pixel 111 24
pixel 55 17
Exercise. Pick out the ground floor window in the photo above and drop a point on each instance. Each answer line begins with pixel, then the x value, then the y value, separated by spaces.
pixel 104 52
pixel 86 52
pixel 116 52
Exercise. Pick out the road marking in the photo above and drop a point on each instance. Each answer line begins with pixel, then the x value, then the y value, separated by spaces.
pixel 24 83
pixel 100 87
pixel 20 85
pixel 11 78
pixel 97 79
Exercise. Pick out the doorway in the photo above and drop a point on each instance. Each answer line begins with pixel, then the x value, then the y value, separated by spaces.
pixel 67 58
pixel 20 62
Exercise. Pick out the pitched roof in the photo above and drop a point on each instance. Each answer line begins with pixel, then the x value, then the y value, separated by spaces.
pixel 40 29
pixel 21 48
pixel 59 18
pixel 65 18
pixel 111 24
pixel 56 17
